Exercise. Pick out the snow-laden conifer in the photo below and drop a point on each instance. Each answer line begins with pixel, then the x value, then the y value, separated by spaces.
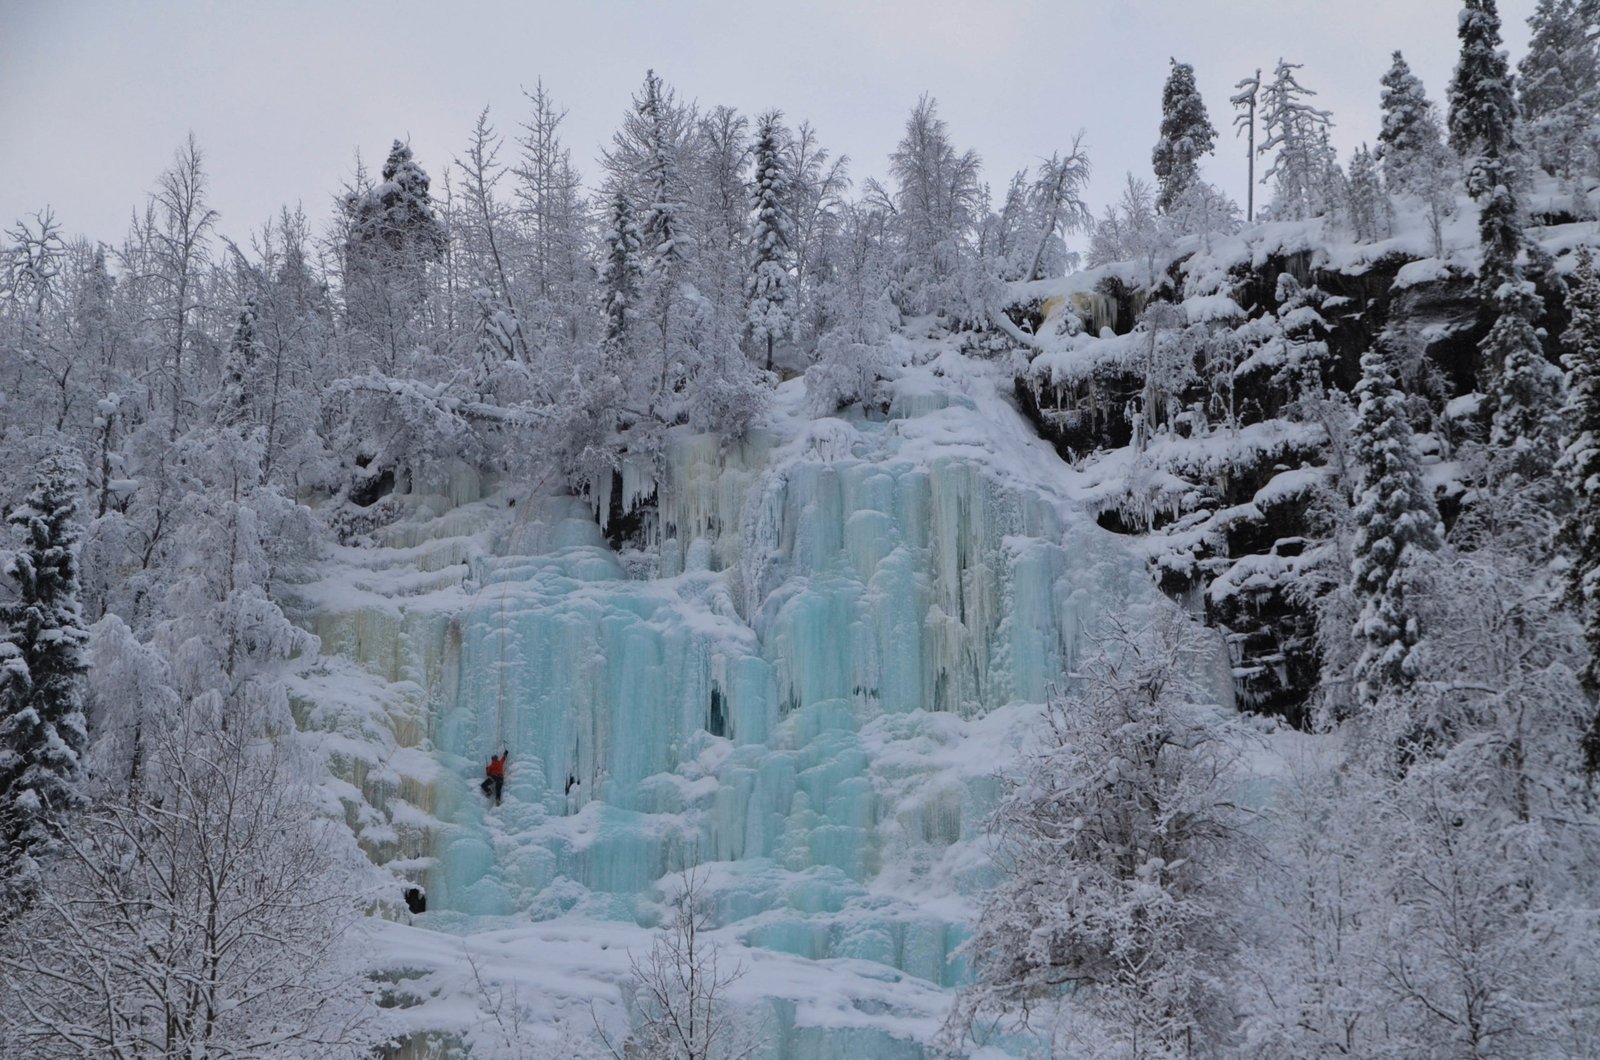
pixel 1483 119
pixel 1396 518
pixel 1186 135
pixel 1580 469
pixel 768 295
pixel 42 733
pixel 1368 209
pixel 1411 138
pixel 664 222
pixel 238 367
pixel 621 273
pixel 1559 87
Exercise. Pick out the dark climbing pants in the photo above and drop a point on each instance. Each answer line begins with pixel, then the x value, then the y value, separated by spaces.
pixel 492 786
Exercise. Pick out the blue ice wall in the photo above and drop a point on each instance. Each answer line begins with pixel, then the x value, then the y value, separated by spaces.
pixel 805 686
pixel 721 712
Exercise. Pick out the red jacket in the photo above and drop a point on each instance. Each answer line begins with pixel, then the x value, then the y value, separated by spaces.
pixel 497 766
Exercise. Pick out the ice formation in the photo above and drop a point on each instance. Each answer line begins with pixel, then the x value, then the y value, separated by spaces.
pixel 805 686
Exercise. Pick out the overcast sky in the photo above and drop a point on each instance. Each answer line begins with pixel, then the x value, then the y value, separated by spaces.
pixel 95 96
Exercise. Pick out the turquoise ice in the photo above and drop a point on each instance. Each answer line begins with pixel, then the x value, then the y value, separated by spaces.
pixel 805 685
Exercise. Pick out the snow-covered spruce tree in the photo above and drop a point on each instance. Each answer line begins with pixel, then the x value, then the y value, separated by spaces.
pixel 238 369
pixel 1410 124
pixel 1580 470
pixel 1526 425
pixel 621 273
pixel 622 392
pixel 1297 131
pixel 768 297
pixel 664 224
pixel 648 162
pixel 1368 210
pixel 391 234
pixel 1118 843
pixel 1186 135
pixel 1559 88
pixel 1395 519
pixel 1483 119
pixel 42 639
pixel 1412 149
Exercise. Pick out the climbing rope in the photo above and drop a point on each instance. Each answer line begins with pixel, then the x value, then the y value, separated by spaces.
pixel 500 698
pixel 522 518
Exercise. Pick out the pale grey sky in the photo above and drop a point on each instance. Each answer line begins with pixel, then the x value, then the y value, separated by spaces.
pixel 96 94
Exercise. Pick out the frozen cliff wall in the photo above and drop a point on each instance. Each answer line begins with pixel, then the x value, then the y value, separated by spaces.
pixel 848 624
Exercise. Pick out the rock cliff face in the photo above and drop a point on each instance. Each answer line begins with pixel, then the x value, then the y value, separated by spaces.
pixel 1213 415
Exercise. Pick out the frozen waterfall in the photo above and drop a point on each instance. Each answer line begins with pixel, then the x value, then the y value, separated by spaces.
pixel 805 686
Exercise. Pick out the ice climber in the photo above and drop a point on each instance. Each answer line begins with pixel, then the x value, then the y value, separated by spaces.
pixel 494 775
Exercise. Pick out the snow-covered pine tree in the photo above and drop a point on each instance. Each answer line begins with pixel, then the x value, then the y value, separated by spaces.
pixel 1186 134
pixel 1525 428
pixel 1580 470
pixel 1297 131
pixel 42 733
pixel 1368 208
pixel 496 336
pixel 1559 87
pixel 395 221
pixel 1395 519
pixel 767 288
